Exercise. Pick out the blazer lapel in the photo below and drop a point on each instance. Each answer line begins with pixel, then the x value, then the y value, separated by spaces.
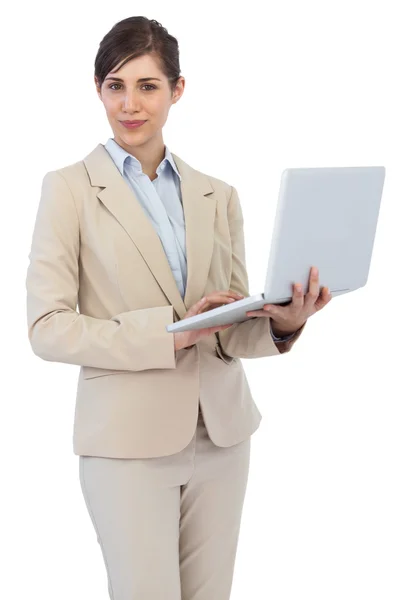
pixel 199 212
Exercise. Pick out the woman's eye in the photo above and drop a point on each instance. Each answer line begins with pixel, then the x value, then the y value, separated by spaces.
pixel 153 87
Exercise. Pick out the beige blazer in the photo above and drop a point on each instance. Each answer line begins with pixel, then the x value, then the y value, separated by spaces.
pixel 94 248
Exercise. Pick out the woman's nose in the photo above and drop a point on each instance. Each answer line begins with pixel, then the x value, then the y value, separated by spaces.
pixel 131 101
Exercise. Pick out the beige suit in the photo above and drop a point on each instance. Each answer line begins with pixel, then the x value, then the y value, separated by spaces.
pixel 94 248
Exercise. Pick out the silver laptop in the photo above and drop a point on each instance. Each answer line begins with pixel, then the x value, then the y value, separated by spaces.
pixel 327 217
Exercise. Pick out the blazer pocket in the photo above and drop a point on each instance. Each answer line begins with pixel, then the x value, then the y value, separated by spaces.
pixel 227 359
pixel 92 372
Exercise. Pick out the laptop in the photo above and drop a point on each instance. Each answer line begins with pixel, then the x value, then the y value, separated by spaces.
pixel 327 217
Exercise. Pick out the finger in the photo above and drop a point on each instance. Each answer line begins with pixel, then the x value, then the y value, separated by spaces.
pixel 313 290
pixel 323 298
pixel 219 299
pixel 235 294
pixel 221 295
pixel 297 302
pixel 208 305
pixel 196 308
pixel 259 313
pixel 199 305
pixel 298 296
pixel 224 293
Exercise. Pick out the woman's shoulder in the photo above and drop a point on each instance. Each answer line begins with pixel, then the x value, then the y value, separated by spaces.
pixel 71 170
pixel 78 170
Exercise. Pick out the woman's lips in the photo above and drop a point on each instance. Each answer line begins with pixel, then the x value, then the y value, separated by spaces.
pixel 133 125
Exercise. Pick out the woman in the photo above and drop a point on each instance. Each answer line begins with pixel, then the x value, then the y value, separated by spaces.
pixel 134 236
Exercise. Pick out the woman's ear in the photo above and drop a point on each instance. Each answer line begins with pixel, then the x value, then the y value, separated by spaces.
pixel 97 87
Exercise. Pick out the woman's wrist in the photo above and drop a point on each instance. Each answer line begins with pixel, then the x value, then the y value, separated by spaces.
pixel 279 332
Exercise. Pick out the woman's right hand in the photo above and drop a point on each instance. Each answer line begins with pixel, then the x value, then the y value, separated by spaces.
pixel 183 339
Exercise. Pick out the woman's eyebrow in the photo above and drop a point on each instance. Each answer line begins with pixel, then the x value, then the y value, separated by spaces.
pixel 141 79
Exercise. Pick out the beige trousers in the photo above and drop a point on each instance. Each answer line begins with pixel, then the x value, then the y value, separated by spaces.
pixel 168 527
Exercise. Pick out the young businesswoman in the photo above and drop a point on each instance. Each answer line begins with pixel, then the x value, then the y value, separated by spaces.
pixel 138 239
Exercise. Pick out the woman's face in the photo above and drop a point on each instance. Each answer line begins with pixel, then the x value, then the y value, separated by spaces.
pixel 126 98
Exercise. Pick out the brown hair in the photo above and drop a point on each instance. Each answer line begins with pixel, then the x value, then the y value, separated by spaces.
pixel 134 37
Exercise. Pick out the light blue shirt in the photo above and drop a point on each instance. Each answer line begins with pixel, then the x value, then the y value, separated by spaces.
pixel 161 200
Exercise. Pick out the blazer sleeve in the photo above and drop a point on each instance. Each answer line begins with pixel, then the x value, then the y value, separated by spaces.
pixel 134 340
pixel 251 338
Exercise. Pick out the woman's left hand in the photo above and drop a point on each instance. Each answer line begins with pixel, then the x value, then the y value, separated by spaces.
pixel 289 318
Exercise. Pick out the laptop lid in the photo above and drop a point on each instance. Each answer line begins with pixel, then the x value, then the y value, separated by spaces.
pixel 326 216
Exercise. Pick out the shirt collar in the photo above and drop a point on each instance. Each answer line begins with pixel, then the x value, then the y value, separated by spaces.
pixel 120 155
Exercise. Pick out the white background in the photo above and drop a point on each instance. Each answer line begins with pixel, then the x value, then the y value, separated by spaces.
pixel 268 85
